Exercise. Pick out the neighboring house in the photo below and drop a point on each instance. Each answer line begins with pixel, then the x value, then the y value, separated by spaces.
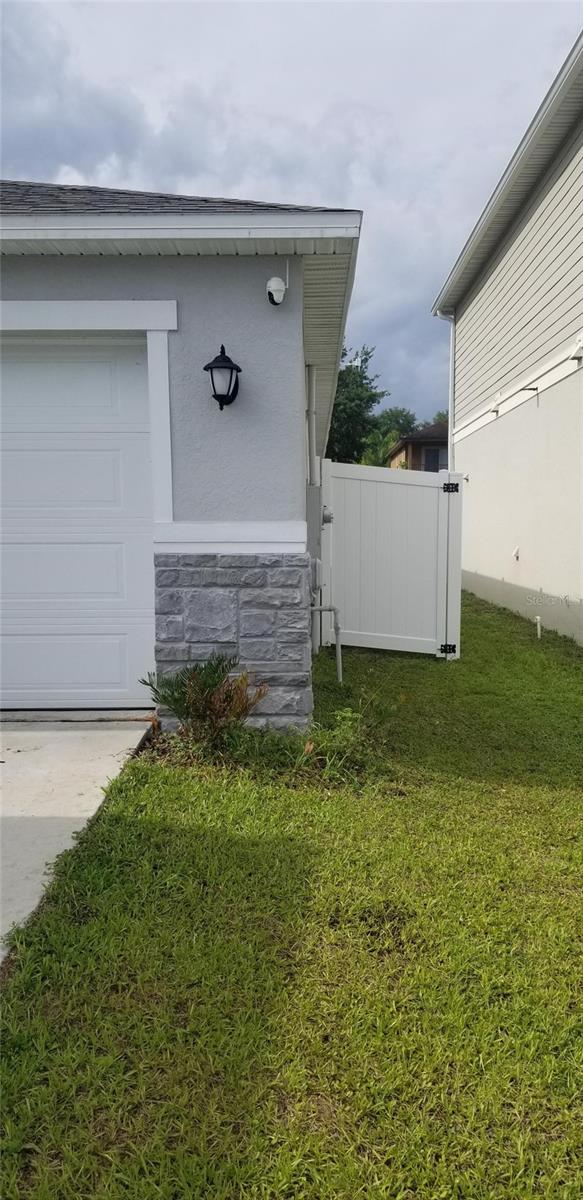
pixel 119 463
pixel 515 300
pixel 423 450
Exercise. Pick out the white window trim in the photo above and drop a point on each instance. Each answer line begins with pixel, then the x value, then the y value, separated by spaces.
pixel 152 317
pixel 83 316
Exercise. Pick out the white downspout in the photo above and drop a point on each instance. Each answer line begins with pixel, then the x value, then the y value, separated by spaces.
pixel 312 466
pixel 313 482
pixel 451 399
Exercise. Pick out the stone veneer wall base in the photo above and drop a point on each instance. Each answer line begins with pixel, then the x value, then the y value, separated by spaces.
pixel 254 606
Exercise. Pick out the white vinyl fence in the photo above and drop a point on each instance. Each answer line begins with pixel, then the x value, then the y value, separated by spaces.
pixel 391 558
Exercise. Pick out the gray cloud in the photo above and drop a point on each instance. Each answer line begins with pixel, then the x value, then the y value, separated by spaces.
pixel 407 111
pixel 50 115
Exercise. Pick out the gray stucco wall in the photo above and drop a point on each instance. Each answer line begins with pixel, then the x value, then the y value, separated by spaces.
pixel 246 463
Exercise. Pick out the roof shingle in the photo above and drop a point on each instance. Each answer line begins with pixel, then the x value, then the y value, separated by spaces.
pixel 20 196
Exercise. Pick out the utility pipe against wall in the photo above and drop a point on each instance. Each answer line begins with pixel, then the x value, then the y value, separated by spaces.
pixel 312 462
pixel 313 479
pixel 450 407
pixel 314 608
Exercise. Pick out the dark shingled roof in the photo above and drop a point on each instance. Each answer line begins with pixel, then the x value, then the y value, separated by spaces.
pixel 18 196
pixel 437 432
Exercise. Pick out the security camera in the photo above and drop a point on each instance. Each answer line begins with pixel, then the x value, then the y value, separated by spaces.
pixel 276 290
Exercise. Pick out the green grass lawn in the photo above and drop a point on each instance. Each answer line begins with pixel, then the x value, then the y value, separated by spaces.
pixel 242 989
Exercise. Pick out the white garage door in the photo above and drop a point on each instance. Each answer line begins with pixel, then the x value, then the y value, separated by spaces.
pixel 77 552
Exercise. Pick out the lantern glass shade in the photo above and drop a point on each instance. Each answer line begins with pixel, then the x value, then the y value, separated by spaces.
pixel 221 380
pixel 224 375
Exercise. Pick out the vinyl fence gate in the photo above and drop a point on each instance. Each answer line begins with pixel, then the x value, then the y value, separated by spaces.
pixel 391 558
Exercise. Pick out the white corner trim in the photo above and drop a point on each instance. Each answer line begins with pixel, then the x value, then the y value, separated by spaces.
pixel 87 315
pixel 230 537
pixel 160 434
pixel 562 364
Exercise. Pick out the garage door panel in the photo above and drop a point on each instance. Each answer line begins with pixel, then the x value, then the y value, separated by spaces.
pixel 95 575
pixel 59 667
pixel 77 555
pixel 68 475
pixel 68 386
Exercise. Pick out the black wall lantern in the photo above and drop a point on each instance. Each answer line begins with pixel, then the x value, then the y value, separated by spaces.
pixel 224 378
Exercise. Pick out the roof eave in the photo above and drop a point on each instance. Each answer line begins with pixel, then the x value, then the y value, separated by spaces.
pixel 119 227
pixel 509 193
pixel 323 237
pixel 322 441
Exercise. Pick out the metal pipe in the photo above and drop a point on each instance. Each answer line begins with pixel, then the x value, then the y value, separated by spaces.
pixel 312 465
pixel 451 397
pixel 314 608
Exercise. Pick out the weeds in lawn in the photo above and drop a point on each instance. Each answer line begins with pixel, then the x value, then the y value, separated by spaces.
pixel 333 755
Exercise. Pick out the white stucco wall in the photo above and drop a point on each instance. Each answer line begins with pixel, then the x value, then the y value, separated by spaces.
pixel 247 462
pixel 525 490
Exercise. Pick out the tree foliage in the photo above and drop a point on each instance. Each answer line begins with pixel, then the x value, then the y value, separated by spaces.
pixel 389 426
pixel 397 421
pixel 356 397
pixel 441 417
pixel 358 434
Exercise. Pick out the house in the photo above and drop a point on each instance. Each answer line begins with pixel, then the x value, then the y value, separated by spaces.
pixel 515 302
pixel 422 450
pixel 145 524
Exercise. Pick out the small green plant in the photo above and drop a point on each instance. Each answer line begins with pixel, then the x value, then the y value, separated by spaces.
pixel 206 698
pixel 334 756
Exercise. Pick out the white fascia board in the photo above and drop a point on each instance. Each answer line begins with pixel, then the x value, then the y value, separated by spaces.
pixel 87 315
pixel 190 226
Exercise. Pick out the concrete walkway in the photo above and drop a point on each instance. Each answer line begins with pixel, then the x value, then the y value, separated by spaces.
pixel 53 775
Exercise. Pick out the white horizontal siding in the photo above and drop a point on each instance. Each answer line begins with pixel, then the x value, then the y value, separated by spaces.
pixel 529 300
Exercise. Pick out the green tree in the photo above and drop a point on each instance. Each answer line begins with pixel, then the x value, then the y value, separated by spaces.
pixel 440 416
pixel 375 451
pixel 389 425
pixel 399 421
pixel 356 397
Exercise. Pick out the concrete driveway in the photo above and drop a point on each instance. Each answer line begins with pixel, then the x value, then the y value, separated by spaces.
pixel 53 775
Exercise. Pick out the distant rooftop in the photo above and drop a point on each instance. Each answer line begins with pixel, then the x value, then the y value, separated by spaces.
pixel 20 196
pixel 436 432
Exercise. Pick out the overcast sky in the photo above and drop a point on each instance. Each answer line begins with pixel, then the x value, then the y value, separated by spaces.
pixel 409 111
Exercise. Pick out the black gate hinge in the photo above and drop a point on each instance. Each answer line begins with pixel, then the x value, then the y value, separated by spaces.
pixel 451 487
pixel 447 648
